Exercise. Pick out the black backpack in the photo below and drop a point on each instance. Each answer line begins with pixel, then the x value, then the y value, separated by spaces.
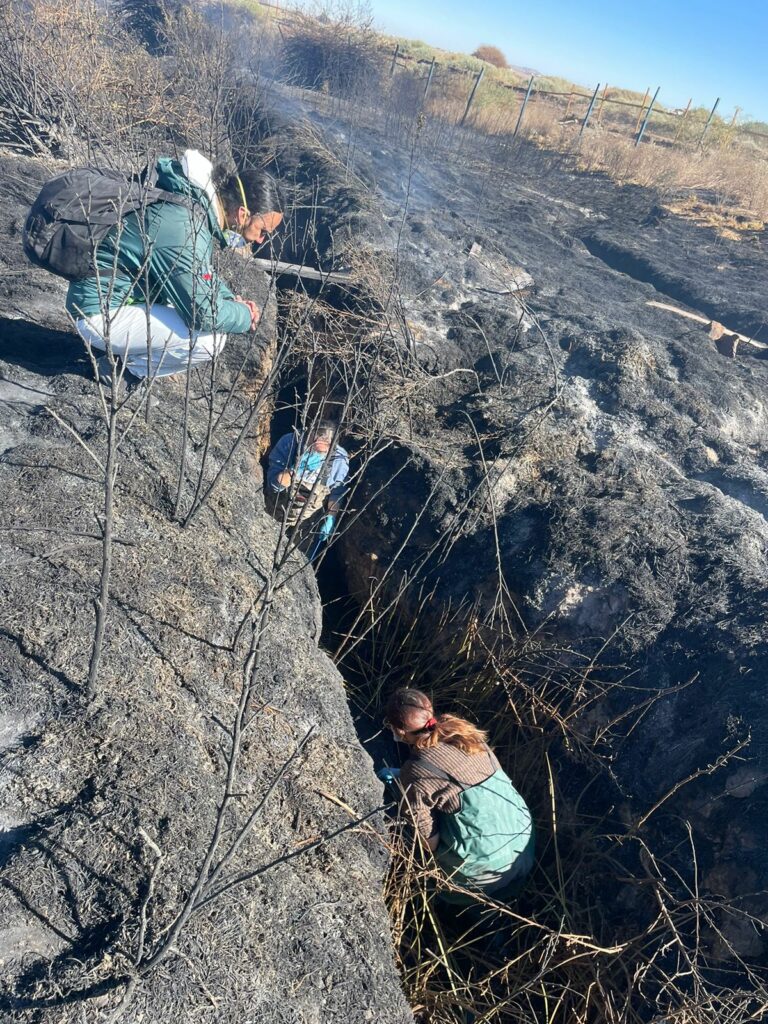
pixel 76 210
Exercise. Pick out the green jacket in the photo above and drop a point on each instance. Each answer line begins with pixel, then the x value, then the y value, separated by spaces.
pixel 178 270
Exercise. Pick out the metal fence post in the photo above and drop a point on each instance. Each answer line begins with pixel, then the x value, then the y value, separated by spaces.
pixel 682 121
pixel 602 104
pixel 709 120
pixel 640 134
pixel 429 77
pixel 395 55
pixel 640 112
pixel 731 127
pixel 522 109
pixel 591 107
pixel 478 80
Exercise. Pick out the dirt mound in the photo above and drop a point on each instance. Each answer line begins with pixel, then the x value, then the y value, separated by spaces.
pixel 110 806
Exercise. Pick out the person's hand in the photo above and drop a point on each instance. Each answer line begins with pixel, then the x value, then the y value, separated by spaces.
pixel 284 478
pixel 387 774
pixel 253 309
pixel 255 313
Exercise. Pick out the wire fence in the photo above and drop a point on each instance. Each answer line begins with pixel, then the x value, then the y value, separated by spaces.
pixel 474 97
pixel 604 108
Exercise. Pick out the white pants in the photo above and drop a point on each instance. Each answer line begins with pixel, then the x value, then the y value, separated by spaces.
pixel 170 350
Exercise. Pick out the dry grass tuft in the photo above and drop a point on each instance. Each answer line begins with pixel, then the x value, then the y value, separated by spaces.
pixel 729 223
pixel 732 175
pixel 608 928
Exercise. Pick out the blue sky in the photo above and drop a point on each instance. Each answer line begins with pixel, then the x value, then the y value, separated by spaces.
pixel 691 49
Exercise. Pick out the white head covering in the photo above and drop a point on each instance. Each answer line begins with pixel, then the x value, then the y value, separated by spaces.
pixel 199 170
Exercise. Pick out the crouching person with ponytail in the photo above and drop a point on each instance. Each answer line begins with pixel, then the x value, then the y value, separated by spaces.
pixel 464 805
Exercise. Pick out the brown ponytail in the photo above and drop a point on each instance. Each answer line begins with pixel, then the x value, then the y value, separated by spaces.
pixel 450 729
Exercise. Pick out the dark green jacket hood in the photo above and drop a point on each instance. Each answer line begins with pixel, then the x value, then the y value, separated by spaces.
pixel 171 178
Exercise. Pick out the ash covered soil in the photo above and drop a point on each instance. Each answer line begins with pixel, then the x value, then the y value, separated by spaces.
pixel 626 498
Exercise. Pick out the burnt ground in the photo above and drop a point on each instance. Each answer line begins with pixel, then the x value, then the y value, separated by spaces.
pixel 108 806
pixel 628 457
pixel 628 467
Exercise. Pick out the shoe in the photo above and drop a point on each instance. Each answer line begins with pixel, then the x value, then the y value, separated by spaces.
pixel 144 393
pixel 104 371
pixel 104 374
pixel 131 381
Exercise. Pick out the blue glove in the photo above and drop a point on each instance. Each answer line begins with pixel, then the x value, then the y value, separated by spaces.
pixel 327 527
pixel 387 774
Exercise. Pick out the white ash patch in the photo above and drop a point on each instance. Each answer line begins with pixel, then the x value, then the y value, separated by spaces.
pixel 14 726
pixel 30 940
pixel 747 424
pixel 577 402
pixel 583 605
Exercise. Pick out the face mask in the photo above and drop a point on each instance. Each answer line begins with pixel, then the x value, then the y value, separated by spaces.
pixel 234 240
pixel 309 467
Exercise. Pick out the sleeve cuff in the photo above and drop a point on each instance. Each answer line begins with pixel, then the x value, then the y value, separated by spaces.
pixel 236 318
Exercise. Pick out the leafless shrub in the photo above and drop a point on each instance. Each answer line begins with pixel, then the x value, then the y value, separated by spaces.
pixel 336 52
pixel 72 81
pixel 212 66
pixel 146 20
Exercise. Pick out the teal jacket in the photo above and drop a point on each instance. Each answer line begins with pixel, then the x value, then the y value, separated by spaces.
pixel 179 268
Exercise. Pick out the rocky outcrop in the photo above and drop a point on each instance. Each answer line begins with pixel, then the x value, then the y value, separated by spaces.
pixel 110 805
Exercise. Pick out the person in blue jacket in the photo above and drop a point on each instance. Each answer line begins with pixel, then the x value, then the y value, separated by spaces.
pixel 307 472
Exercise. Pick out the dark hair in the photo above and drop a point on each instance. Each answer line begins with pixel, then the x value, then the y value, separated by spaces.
pixel 325 428
pixel 400 703
pixel 259 188
pixel 451 729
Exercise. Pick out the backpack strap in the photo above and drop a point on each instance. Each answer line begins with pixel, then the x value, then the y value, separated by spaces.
pixel 194 195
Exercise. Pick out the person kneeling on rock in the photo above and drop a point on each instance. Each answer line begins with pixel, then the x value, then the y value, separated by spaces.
pixel 307 473
pixel 464 805
pixel 139 256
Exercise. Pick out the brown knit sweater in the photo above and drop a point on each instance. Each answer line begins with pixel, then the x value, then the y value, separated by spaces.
pixel 426 794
